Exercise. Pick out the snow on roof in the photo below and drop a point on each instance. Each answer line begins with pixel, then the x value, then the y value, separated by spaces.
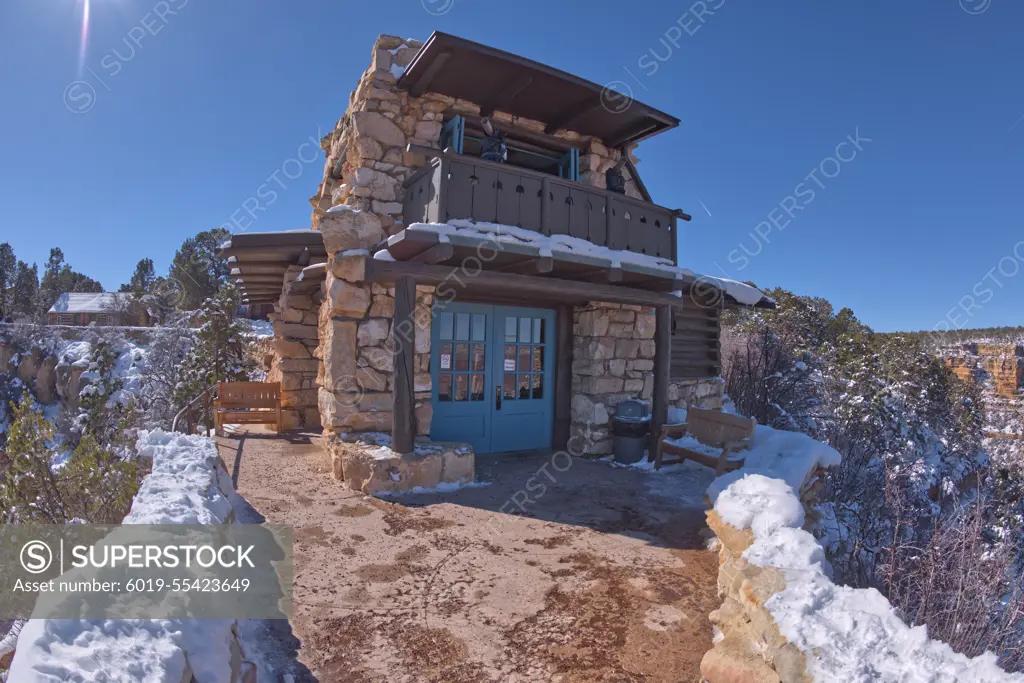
pixel 549 245
pixel 92 302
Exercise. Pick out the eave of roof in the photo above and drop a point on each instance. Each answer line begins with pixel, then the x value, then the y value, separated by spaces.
pixel 499 80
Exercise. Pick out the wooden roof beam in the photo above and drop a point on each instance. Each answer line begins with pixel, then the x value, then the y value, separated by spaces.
pixel 570 115
pixel 505 94
pixel 511 283
pixel 532 266
pixel 423 84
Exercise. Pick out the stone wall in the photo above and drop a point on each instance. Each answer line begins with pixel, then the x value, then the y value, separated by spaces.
pixel 357 343
pixel 293 362
pixel 748 644
pixel 613 360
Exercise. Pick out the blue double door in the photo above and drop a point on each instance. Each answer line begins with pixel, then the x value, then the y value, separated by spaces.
pixel 493 376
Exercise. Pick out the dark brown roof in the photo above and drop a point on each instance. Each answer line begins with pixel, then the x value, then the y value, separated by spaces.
pixel 495 79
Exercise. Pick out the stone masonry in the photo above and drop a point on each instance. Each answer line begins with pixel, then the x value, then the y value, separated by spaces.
pixel 357 343
pixel 748 646
pixel 293 361
pixel 613 360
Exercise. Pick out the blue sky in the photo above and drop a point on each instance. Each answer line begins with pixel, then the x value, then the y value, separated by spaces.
pixel 916 224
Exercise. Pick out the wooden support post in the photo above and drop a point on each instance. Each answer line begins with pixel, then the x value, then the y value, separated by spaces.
pixel 662 369
pixel 441 186
pixel 403 338
pixel 562 428
pixel 545 205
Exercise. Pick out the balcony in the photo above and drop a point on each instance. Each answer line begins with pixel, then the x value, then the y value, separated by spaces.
pixel 454 186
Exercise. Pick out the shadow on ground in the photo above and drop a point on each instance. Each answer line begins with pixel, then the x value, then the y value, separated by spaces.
pixel 548 570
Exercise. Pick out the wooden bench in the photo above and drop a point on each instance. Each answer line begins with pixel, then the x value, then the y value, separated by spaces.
pixel 247 403
pixel 730 433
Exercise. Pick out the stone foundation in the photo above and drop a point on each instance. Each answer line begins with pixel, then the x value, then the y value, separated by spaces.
pixel 696 393
pixel 366 463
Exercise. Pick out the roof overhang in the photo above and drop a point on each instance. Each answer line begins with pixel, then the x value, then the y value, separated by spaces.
pixel 498 80
pixel 259 261
pixel 559 275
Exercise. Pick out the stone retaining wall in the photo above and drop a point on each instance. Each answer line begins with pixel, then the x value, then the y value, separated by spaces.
pixel 748 645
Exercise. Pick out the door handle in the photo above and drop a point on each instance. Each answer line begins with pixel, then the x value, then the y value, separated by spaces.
pixel 497 398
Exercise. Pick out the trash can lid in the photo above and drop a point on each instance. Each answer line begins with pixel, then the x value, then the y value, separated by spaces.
pixel 633 410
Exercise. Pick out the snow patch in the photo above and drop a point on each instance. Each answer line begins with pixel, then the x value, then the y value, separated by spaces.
pixel 443 487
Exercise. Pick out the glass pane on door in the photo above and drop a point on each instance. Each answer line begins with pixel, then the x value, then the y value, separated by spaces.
pixel 523 358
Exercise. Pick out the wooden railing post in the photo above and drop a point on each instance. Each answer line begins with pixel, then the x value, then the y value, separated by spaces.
pixel 675 241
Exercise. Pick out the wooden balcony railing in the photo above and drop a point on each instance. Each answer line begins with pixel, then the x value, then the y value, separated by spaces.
pixel 453 186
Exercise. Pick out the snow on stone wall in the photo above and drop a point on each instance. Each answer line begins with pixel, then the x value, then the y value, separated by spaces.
pixel 783 620
pixel 188 485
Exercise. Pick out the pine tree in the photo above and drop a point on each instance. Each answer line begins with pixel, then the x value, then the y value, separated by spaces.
pixel 8 273
pixel 95 484
pixel 161 300
pixel 221 352
pixel 26 290
pixel 142 279
pixel 197 271
pixel 105 412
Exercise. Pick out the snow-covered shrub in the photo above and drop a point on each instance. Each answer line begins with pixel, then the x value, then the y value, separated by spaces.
pixel 914 473
pixel 95 484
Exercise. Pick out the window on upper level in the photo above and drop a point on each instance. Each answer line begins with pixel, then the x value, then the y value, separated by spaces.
pixel 467 136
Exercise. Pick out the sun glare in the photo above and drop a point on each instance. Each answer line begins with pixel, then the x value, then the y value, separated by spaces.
pixel 84 37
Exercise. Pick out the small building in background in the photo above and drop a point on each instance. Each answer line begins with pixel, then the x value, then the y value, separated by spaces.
pixel 101 308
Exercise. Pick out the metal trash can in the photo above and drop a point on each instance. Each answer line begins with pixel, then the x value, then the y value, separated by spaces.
pixel 630 426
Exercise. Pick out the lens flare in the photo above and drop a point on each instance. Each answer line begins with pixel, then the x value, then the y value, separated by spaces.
pixel 85 37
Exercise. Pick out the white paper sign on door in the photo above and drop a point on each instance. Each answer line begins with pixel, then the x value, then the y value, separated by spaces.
pixel 446 361
pixel 510 365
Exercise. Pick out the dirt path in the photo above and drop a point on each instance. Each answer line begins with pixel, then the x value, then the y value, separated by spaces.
pixel 600 576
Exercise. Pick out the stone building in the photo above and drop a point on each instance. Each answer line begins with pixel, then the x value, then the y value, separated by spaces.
pixel 472 278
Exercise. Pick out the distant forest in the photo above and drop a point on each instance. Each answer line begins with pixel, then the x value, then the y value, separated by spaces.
pixel 1004 335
